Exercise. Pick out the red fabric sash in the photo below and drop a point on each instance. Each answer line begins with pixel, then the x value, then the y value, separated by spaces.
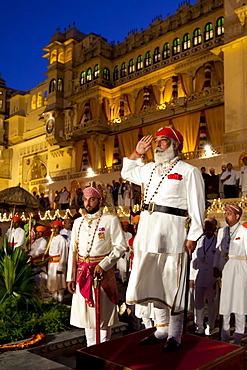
pixel 84 279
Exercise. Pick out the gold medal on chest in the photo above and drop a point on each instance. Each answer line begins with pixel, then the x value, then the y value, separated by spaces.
pixel 101 235
pixel 87 259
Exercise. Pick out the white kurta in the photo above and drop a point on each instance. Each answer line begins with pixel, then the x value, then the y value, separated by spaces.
pixel 57 248
pixel 38 247
pixel 233 298
pixel 108 241
pixel 18 235
pixel 123 262
pixel 159 243
pixel 243 180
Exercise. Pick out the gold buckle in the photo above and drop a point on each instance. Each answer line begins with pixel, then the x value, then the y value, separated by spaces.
pixel 151 209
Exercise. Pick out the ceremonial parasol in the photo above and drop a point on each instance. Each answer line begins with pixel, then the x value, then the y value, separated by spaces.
pixel 17 197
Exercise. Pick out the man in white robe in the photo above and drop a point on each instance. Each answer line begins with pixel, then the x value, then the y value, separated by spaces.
pixel 173 190
pixel 56 271
pixel 97 242
pixel 230 262
pixel 37 250
pixel 16 234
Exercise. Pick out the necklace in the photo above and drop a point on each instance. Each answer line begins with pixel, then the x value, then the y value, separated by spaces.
pixel 232 233
pixel 89 244
pixel 166 172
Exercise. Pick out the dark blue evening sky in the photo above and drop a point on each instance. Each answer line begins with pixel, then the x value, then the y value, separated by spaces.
pixel 26 27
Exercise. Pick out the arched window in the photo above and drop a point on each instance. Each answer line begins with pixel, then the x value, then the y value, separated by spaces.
pixel 89 75
pixel 96 71
pixel 106 74
pixel 209 33
pixel 139 64
pixel 148 59
pixel 166 50
pixel 156 56
pixel 176 46
pixel 52 85
pixel 33 102
pixel 197 37
pixel 220 26
pixel 115 73
pixel 39 100
pixel 186 42
pixel 131 66
pixel 60 85
pixel 123 70
pixel 83 78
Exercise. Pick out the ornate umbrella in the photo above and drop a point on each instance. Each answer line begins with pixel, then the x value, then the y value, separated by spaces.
pixel 19 198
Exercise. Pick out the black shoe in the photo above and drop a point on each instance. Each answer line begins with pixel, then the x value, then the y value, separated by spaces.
pixel 171 345
pixel 150 340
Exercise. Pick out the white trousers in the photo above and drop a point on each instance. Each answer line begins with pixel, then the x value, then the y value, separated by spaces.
pixel 239 328
pixel 172 323
pixel 105 336
pixel 201 294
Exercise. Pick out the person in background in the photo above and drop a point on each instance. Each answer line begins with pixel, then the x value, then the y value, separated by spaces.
pixel 230 180
pixel 205 177
pixel 64 199
pixel 56 271
pixel 16 234
pixel 201 276
pixel 243 178
pixel 213 185
pixel 66 231
pixel 56 200
pixel 124 261
pixel 221 186
pixel 230 264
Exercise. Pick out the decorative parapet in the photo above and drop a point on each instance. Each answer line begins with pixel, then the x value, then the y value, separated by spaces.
pixel 242 14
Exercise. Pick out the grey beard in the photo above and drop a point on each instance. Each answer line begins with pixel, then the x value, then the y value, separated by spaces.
pixel 163 156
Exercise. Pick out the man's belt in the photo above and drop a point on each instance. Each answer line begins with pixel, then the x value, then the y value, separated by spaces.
pixel 152 207
pixel 54 259
pixel 233 256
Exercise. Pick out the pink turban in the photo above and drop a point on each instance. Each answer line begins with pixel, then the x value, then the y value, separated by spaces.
pixel 172 134
pixel 235 209
pixel 93 192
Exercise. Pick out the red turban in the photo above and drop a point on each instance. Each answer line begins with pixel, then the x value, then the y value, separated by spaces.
pixel 125 223
pixel 235 209
pixel 41 228
pixel 57 223
pixel 244 224
pixel 93 192
pixel 136 219
pixel 15 218
pixel 172 134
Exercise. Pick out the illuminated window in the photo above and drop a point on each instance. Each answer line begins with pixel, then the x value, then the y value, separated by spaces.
pixel 60 56
pixel 186 42
pixel 106 74
pixel 166 51
pixel 139 64
pixel 33 102
pixel 156 55
pixel 209 33
pixel 176 46
pixel 131 66
pixel 39 100
pixel 220 26
pixel 197 37
pixel 148 59
pixel 115 73
pixel 83 78
pixel 123 70
pixel 96 71
pixel 68 55
pixel 1 93
pixel 52 85
pixel 60 85
pixel 89 75
pixel 1 104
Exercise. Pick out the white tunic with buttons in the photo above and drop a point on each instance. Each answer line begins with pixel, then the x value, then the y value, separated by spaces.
pixel 233 298
pixel 160 237
pixel 108 240
pixel 18 235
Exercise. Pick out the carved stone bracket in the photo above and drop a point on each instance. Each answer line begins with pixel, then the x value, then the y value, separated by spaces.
pixel 242 14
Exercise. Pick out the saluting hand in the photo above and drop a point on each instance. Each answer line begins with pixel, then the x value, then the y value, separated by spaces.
pixel 142 147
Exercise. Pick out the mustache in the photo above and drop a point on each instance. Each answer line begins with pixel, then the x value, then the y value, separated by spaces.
pixel 159 150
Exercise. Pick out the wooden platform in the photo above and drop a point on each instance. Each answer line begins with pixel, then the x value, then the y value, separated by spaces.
pixel 196 353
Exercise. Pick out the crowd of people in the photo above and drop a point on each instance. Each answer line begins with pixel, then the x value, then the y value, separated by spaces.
pixel 227 184
pixel 151 258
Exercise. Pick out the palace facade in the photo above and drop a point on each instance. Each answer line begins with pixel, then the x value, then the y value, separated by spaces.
pixel 188 70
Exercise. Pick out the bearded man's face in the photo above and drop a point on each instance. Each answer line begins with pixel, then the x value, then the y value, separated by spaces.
pixel 164 151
